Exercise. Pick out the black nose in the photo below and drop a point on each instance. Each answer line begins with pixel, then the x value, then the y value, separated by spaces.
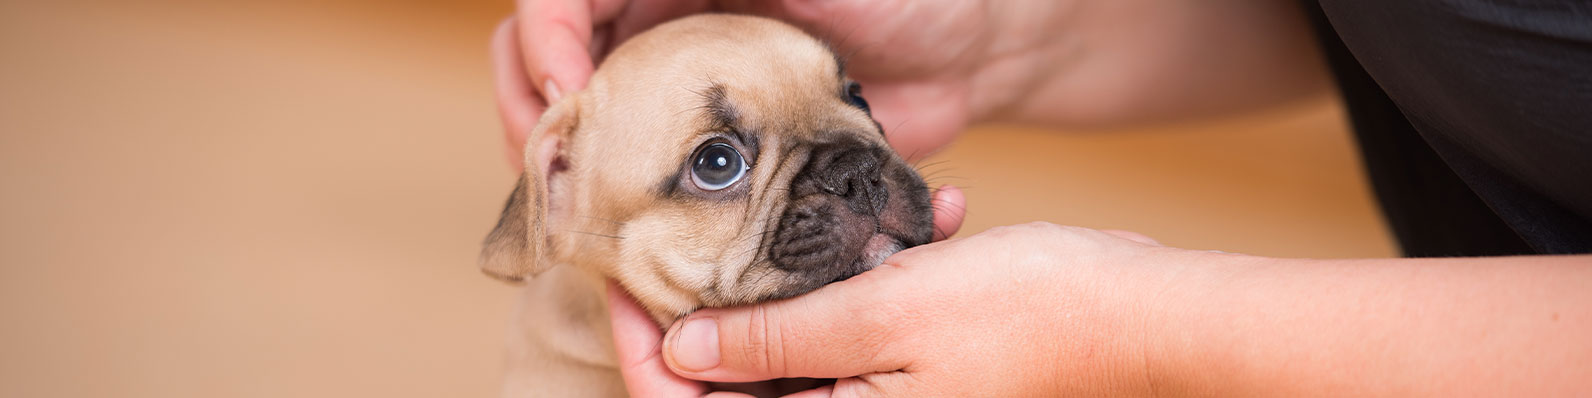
pixel 853 173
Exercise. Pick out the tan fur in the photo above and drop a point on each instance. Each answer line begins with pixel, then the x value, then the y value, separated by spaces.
pixel 631 128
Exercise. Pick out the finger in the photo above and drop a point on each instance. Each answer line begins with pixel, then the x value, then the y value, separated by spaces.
pixel 837 22
pixel 836 331
pixel 642 15
pixel 950 208
pixel 638 341
pixel 919 118
pixel 517 103
pixel 820 392
pixel 726 394
pixel 557 36
pixel 1133 236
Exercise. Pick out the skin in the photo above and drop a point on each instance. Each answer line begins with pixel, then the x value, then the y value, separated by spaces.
pixel 1067 311
pixel 1046 310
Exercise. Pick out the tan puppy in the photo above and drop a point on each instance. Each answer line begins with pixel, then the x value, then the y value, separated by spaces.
pixel 713 161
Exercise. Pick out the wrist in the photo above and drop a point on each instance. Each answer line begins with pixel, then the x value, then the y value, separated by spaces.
pixel 1188 349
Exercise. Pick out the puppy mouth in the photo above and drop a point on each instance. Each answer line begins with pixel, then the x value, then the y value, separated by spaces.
pixel 820 241
pixel 879 247
pixel 851 206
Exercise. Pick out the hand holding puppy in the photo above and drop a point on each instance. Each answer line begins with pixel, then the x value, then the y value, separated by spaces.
pixel 1051 311
pixel 1045 310
pixel 924 85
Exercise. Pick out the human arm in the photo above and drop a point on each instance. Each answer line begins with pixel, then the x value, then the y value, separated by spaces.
pixel 1499 326
pixel 1045 310
pixel 1143 61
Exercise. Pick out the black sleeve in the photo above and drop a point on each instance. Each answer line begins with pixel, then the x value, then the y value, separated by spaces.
pixel 1474 119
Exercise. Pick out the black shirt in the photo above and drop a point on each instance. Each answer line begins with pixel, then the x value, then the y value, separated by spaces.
pixel 1474 118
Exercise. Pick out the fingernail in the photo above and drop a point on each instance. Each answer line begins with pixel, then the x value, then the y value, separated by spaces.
pixel 696 346
pixel 550 91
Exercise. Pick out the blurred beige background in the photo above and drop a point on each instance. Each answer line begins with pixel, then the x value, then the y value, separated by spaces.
pixel 267 199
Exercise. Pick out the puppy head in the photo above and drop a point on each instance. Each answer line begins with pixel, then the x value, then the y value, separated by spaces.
pixel 713 161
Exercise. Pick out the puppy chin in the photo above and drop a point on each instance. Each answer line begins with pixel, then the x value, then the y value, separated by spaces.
pixel 879 247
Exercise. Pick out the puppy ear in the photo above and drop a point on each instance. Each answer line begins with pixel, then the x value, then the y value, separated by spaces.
pixel 519 247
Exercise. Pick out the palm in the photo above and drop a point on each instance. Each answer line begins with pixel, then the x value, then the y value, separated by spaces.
pixel 918 60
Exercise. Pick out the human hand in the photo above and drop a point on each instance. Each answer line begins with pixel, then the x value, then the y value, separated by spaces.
pixel 1041 310
pixel 924 82
pixel 1029 310
pixel 548 48
pixel 929 68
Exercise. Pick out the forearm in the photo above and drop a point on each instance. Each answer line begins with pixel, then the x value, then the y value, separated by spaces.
pixel 1135 61
pixel 1458 326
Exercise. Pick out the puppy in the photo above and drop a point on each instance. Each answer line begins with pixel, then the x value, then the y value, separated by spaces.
pixel 712 161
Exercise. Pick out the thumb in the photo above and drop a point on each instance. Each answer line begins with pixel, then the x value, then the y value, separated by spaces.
pixel 834 332
pixel 950 208
pixel 636 343
pixel 1133 236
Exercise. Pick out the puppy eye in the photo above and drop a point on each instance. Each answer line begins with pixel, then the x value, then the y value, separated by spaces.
pixel 854 96
pixel 717 166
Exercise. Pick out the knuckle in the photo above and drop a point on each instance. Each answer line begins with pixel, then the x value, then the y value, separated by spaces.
pixel 1130 235
pixel 885 323
pixel 1040 228
pixel 762 351
pixel 1048 228
pixel 502 35
pixel 1039 225
pixel 999 232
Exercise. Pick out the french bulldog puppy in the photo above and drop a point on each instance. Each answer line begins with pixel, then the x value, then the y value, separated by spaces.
pixel 715 160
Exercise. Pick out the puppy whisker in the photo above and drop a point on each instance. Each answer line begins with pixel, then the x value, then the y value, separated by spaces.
pixel 603 220
pixel 943 181
pixel 760 236
pixel 913 155
pixel 596 234
pixel 898 127
pixel 940 174
pixel 920 166
pixel 933 167
pixel 937 203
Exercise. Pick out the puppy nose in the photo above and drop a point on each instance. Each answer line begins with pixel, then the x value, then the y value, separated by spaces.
pixel 855 174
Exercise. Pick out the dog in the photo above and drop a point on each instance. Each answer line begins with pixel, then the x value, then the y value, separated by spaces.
pixel 715 160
